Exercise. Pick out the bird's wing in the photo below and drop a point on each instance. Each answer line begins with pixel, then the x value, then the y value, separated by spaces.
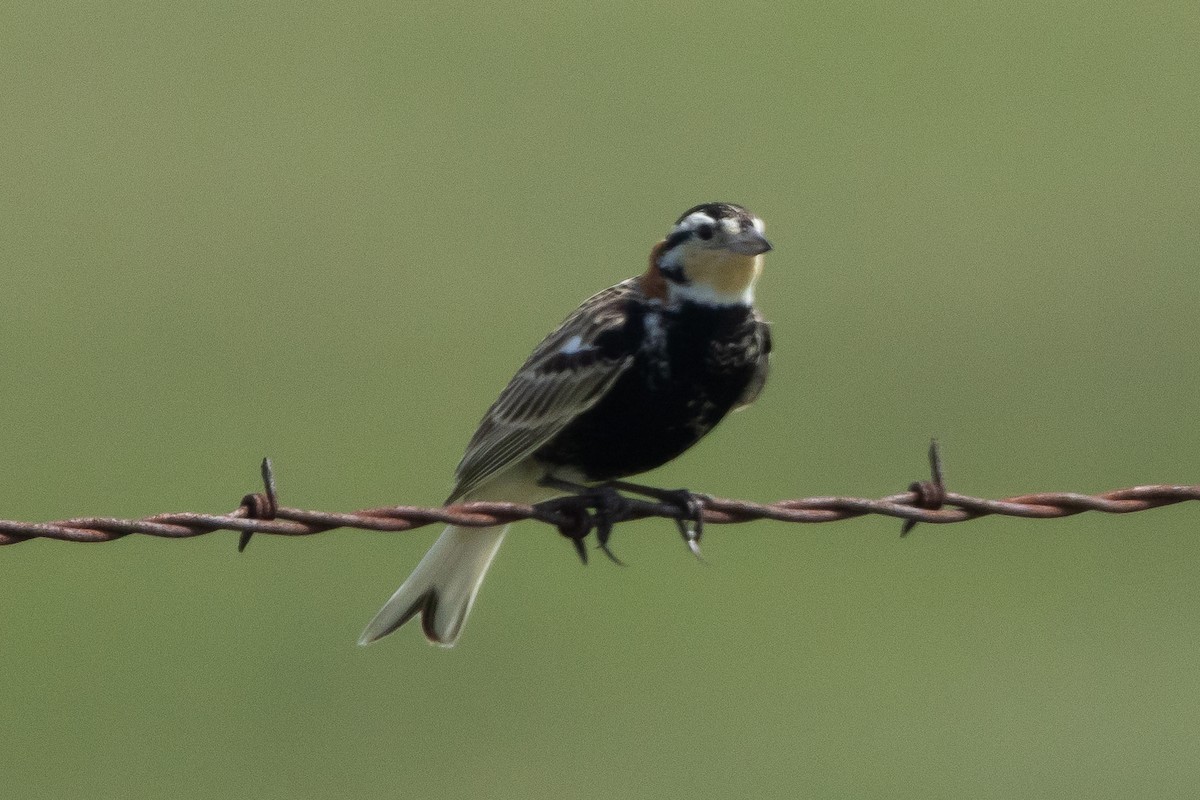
pixel 565 375
pixel 762 341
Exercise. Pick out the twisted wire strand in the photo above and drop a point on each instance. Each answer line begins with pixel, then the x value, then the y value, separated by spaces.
pixel 925 501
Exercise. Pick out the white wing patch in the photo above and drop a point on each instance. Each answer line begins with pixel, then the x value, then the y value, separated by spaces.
pixel 573 345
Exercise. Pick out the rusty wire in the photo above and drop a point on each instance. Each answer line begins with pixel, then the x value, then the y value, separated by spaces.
pixel 925 501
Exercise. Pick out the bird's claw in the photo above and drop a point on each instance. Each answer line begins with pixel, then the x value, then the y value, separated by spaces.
pixel 599 508
pixel 610 508
pixel 576 525
pixel 691 524
pixel 690 504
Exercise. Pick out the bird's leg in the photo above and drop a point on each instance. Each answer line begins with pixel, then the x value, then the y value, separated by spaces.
pixel 689 502
pixel 609 508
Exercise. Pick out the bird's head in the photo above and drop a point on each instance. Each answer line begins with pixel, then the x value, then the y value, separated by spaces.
pixel 713 255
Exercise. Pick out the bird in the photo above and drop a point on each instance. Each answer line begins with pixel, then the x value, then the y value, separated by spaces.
pixel 635 376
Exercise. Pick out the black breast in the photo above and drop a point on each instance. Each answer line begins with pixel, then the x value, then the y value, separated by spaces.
pixel 692 366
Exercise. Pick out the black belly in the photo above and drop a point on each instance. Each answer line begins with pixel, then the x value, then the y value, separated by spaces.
pixel 649 417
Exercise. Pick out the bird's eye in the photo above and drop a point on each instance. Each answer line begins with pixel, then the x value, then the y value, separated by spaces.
pixel 705 232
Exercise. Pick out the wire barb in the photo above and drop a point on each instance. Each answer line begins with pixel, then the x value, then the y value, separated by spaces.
pixel 925 501
pixel 931 494
pixel 260 505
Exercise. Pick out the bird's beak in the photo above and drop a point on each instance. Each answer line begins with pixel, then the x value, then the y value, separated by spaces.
pixel 750 243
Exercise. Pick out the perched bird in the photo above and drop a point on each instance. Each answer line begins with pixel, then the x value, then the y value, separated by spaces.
pixel 635 376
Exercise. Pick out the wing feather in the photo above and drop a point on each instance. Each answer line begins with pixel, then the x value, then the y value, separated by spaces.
pixel 762 342
pixel 561 379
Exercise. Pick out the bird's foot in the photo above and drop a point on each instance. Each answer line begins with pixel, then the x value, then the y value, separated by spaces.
pixel 598 508
pixel 611 507
pixel 691 505
pixel 574 524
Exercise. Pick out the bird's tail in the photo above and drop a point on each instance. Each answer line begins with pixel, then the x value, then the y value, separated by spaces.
pixel 442 587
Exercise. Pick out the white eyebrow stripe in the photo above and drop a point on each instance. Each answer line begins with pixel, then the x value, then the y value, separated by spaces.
pixel 693 221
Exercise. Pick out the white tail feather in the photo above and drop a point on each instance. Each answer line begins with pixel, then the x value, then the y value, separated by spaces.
pixel 443 586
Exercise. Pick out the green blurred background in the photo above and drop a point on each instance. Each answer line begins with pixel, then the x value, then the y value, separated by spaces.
pixel 328 233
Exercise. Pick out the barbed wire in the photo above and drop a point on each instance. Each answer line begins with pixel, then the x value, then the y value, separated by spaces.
pixel 578 515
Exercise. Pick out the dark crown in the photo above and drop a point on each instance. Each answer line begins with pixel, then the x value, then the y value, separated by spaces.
pixel 717 211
